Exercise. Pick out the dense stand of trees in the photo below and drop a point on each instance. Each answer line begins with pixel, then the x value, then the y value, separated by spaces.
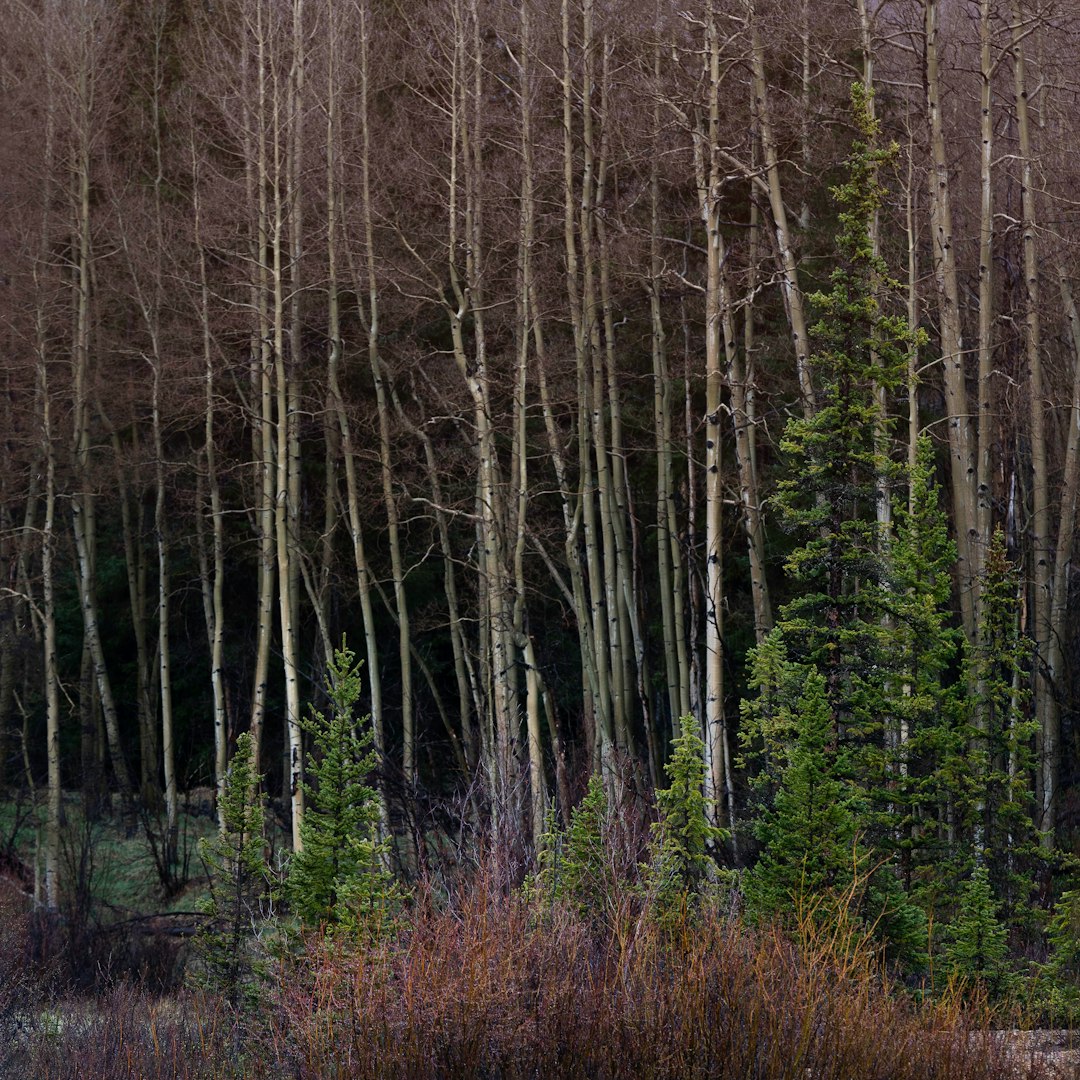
pixel 471 328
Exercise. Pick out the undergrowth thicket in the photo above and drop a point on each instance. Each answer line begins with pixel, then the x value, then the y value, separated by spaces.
pixel 486 985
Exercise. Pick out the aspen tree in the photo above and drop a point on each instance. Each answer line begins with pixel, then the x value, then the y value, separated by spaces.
pixel 212 564
pixel 603 703
pixel 469 294
pixel 570 499
pixel 348 445
pixel 86 42
pixel 253 96
pixel 149 296
pixel 946 279
pixel 136 564
pixel 624 615
pixel 788 266
pixel 717 328
pixel 984 486
pixel 48 438
pixel 279 176
pixel 669 556
pixel 527 235
pixel 366 287
pixel 1045 705
pixel 740 379
pixel 288 406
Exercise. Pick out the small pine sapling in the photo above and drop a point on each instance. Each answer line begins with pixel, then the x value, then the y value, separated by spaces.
pixel 240 898
pixel 809 835
pixel 1001 734
pixel 814 864
pixel 576 865
pixel 681 863
pixel 929 772
pixel 977 946
pixel 1063 935
pixel 340 875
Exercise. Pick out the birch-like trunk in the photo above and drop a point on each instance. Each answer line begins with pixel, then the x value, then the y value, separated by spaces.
pixel 946 281
pixel 1047 739
pixel 788 264
pixel 211 567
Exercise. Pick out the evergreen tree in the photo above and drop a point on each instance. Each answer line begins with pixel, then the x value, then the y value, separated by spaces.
pixel 340 874
pixel 929 740
pixel 838 465
pixel 238 883
pixel 977 944
pixel 829 676
pixel 810 834
pixel 839 623
pixel 1000 760
pixel 814 862
pixel 576 865
pixel 682 836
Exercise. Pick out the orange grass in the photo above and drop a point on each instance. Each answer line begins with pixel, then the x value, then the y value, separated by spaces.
pixel 485 987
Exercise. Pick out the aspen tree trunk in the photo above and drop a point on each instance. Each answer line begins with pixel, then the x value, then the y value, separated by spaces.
pixel 572 513
pixel 150 298
pixel 716 322
pixel 805 121
pixel 625 618
pixel 632 655
pixel 469 296
pixel 740 375
pixel 592 310
pixel 256 180
pixel 983 435
pixel 212 579
pixel 600 657
pixel 280 463
pixel 1066 535
pixel 82 499
pixel 667 550
pixel 690 486
pixel 352 493
pixel 788 266
pixel 400 608
pixel 168 747
pixel 984 439
pixel 287 503
pixel 946 280
pixel 883 507
pixel 52 676
pixel 533 686
pixel 48 530
pixel 366 285
pixel 135 563
pixel 1046 710
pixel 913 323
pixel 913 432
pixel 744 420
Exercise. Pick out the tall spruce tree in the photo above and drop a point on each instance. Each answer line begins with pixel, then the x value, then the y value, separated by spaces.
pixel 238 883
pixel 1000 734
pixel 828 676
pixel 682 836
pixel 810 832
pixel 839 621
pixel 930 737
pixel 837 461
